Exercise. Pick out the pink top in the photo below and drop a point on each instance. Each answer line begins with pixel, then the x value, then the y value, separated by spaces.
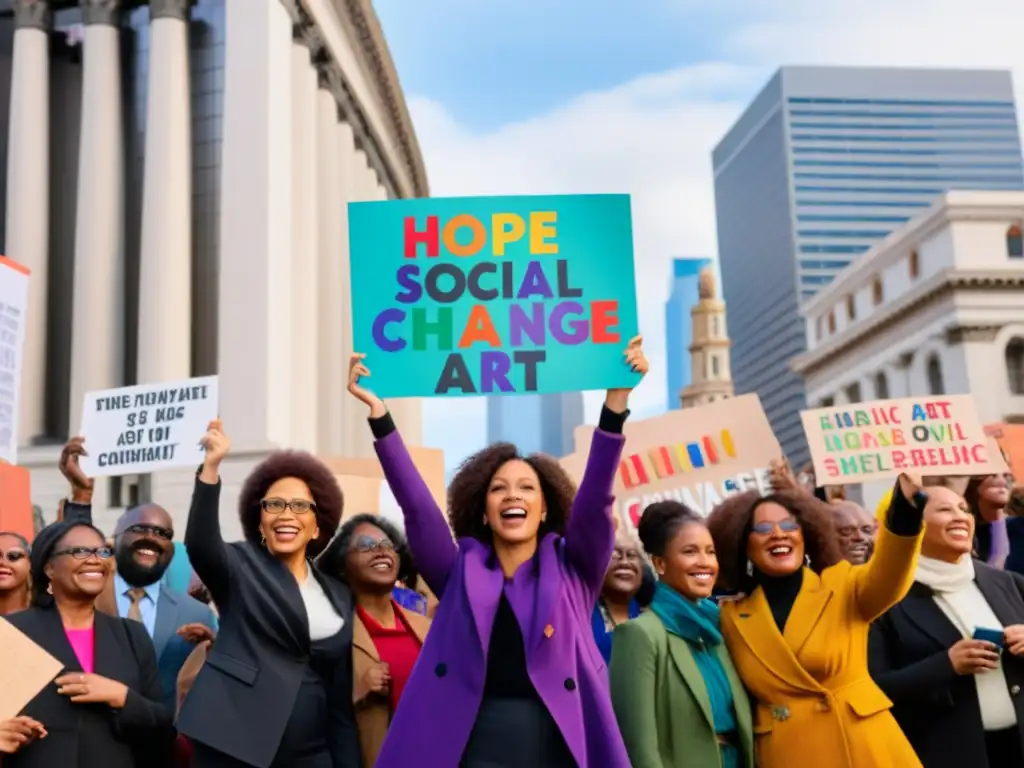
pixel 83 644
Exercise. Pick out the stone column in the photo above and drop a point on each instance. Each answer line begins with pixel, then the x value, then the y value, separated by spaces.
pixel 97 333
pixel 353 413
pixel 28 195
pixel 255 297
pixel 305 236
pixel 331 380
pixel 165 270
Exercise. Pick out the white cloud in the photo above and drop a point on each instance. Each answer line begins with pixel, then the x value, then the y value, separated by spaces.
pixel 652 137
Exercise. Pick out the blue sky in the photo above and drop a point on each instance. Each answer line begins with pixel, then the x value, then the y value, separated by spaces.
pixel 567 96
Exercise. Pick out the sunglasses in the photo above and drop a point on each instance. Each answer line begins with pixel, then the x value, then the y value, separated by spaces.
pixel 13 556
pixel 84 553
pixel 786 526
pixel 368 544
pixel 157 530
pixel 277 506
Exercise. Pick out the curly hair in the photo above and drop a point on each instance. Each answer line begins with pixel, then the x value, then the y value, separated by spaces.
pixel 467 492
pixel 42 551
pixel 334 559
pixel 305 467
pixel 659 523
pixel 731 521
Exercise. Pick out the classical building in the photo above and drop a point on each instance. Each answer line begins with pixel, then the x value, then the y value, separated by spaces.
pixel 711 379
pixel 177 179
pixel 935 308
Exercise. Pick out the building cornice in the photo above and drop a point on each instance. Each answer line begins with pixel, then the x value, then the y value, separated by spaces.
pixel 920 295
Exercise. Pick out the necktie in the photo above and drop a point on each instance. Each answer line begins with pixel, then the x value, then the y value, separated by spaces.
pixel 135 594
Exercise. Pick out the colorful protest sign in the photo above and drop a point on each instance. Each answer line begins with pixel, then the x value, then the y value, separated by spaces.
pixel 148 427
pixel 927 436
pixel 13 305
pixel 696 456
pixel 493 295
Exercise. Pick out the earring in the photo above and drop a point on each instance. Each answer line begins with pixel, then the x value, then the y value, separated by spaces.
pixel 807 560
pixel 49 589
pixel 750 568
pixel 263 540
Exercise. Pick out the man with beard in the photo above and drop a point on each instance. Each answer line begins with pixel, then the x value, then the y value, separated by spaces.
pixel 856 530
pixel 143 548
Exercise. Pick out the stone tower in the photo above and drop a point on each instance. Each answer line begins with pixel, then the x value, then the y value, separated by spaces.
pixel 709 349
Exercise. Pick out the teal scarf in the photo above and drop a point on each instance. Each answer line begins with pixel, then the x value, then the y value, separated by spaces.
pixel 698 624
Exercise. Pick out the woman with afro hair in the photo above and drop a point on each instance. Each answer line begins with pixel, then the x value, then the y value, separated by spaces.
pixel 276 688
pixel 510 675
pixel 798 630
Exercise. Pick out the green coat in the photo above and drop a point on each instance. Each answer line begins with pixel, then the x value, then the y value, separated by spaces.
pixel 661 703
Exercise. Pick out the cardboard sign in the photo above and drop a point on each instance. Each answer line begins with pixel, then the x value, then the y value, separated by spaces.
pixel 13 306
pixel 1010 439
pixel 25 669
pixel 493 295
pixel 147 428
pixel 927 436
pixel 697 456
pixel 16 513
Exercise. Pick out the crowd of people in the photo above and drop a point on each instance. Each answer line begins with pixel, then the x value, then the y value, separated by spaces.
pixel 784 630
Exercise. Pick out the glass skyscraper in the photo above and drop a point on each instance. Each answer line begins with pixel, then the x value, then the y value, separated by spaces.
pixel 824 163
pixel 536 423
pixel 679 325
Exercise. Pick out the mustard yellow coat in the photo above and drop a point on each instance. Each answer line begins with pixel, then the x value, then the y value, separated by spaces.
pixel 815 705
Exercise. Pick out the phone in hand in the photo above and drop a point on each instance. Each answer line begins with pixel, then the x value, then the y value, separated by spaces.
pixel 994 636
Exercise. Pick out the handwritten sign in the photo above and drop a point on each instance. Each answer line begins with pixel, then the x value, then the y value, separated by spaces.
pixel 493 295
pixel 696 456
pixel 148 427
pixel 13 305
pixel 928 436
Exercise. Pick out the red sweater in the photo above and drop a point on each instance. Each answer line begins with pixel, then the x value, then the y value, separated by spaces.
pixel 397 646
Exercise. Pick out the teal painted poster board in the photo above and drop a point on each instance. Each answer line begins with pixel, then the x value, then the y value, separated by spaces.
pixel 493 295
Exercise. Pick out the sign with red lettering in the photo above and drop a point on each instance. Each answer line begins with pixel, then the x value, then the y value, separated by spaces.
pixel 927 436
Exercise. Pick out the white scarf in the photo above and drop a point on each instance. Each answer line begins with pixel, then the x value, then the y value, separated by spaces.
pixel 959 598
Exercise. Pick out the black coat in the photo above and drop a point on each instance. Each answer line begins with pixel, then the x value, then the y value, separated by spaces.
pixel 139 735
pixel 243 697
pixel 908 655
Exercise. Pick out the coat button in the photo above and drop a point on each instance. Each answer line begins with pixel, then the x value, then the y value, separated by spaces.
pixel 570 684
pixel 1014 689
pixel 441 669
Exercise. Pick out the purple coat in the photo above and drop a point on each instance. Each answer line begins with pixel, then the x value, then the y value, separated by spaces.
pixel 552 601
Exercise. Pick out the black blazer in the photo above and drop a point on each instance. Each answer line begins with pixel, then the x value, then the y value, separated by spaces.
pixel 908 656
pixel 243 697
pixel 85 735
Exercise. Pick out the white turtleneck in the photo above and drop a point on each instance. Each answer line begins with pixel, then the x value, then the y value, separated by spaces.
pixel 965 606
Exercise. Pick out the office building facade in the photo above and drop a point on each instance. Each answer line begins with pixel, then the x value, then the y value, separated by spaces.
pixel 536 423
pixel 679 326
pixel 177 180
pixel 823 164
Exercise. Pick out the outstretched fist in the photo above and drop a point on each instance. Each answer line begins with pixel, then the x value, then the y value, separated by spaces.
pixel 81 485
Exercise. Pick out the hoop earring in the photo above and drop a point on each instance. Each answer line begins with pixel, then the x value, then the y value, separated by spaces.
pixel 49 589
pixel 750 568
pixel 807 560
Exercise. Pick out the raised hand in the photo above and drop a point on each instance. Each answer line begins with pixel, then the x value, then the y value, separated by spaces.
pixel 357 371
pixel 81 486
pixel 618 399
pixel 217 446
pixel 910 487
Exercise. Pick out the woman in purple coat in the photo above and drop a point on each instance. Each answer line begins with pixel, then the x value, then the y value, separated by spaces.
pixel 510 675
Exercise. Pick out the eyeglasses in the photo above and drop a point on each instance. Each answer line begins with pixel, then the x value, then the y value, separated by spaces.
pixel 368 544
pixel 157 530
pixel 630 555
pixel 84 553
pixel 786 526
pixel 277 506
pixel 13 556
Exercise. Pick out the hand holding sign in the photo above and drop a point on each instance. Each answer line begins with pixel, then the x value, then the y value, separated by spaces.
pixel 357 370
pixel 70 467
pixel 617 398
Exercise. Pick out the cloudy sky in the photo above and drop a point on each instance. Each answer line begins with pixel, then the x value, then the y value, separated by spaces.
pixel 586 96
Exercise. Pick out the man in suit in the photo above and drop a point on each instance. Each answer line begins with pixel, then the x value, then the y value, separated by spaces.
pixel 144 547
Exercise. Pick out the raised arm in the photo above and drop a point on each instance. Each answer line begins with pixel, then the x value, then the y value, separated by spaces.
pixel 207 550
pixel 77 507
pixel 887 576
pixel 429 537
pixel 590 532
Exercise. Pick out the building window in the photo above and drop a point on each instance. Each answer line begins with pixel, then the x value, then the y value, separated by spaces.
pixel 831 323
pixel 827 402
pixel 817 328
pixel 934 368
pixel 714 367
pixel 877 295
pixel 1015 365
pixel 714 327
pixel 881 386
pixel 853 393
pixel 851 307
pixel 1014 243
pixel 914 265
